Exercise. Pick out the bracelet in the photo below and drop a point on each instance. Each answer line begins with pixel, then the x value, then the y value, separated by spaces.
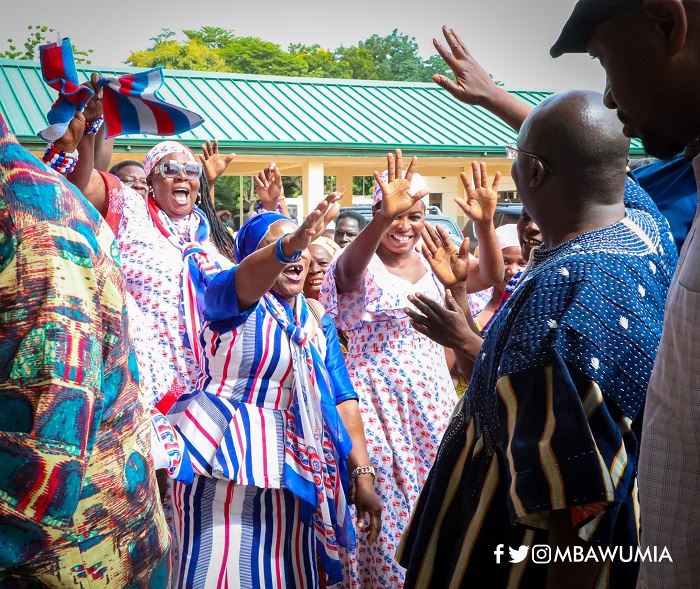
pixel 92 127
pixel 261 209
pixel 363 470
pixel 280 255
pixel 60 160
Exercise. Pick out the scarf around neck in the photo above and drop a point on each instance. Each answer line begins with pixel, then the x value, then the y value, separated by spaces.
pixel 199 267
pixel 317 444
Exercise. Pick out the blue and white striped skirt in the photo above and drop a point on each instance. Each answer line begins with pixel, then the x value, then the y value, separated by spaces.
pixel 236 536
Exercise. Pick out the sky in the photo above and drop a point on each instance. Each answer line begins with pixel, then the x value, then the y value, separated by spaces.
pixel 510 38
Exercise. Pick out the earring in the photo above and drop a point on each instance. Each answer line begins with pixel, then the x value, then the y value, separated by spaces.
pixel 199 199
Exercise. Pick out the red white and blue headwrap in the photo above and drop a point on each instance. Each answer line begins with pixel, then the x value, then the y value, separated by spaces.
pixel 130 103
pixel 159 151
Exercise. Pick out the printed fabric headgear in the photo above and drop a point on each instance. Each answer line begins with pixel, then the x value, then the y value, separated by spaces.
pixel 161 150
pixel 254 231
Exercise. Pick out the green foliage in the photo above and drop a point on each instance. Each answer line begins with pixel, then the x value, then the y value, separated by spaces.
pixel 193 55
pixel 394 57
pixel 212 37
pixel 251 55
pixel 36 37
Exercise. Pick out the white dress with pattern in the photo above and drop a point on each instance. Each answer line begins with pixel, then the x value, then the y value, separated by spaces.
pixel 406 399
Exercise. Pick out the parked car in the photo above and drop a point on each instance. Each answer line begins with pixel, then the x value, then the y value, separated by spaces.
pixel 507 212
pixel 434 216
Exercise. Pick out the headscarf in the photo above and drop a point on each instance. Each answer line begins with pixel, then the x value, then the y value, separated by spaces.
pixel 418 183
pixel 161 150
pixel 253 231
pixel 508 236
pixel 327 244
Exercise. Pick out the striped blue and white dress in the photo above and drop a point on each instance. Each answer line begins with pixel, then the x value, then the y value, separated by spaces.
pixel 237 524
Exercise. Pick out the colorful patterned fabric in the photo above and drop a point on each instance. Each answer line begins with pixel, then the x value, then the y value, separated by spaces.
pixel 58 71
pixel 78 500
pixel 167 449
pixel 243 537
pixel 131 105
pixel 198 265
pixel 479 300
pixel 153 269
pixel 551 417
pixel 406 398
pixel 257 420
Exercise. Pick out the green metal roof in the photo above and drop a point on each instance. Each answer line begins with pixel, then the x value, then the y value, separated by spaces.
pixel 289 116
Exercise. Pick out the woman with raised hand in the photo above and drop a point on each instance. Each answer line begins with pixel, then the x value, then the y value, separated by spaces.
pixel 402 378
pixel 270 425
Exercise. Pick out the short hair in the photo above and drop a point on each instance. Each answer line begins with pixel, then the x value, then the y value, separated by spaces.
pixel 118 166
pixel 350 214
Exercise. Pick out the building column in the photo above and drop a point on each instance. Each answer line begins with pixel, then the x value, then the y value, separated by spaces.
pixel 312 185
pixel 457 213
pixel 345 180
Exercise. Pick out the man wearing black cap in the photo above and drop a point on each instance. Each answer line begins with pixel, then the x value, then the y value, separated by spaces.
pixel 650 50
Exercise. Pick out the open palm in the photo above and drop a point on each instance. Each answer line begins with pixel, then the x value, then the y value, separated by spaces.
pixel 450 265
pixel 396 187
pixel 213 162
pixel 480 204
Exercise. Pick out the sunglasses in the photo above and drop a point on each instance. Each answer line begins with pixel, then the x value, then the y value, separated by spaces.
pixel 513 152
pixel 171 169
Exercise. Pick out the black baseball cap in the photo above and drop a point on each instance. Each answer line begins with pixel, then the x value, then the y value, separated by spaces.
pixel 586 16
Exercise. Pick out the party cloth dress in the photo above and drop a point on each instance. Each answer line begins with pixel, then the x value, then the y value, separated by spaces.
pixel 267 446
pixel 406 399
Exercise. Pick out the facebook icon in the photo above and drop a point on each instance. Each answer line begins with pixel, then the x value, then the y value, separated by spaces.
pixel 499 552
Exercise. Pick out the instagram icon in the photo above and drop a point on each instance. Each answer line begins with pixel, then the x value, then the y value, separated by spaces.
pixel 541 554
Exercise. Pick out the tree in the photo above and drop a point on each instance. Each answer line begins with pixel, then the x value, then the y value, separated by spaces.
pixel 393 57
pixel 212 37
pixel 396 57
pixel 319 62
pixel 251 55
pixel 37 36
pixel 193 55
pixel 359 61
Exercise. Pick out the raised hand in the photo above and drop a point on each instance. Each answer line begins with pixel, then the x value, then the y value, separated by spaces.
pixel 480 204
pixel 396 192
pixel 473 85
pixel 93 109
pixel 69 141
pixel 268 185
pixel 313 226
pixel 450 265
pixel 212 162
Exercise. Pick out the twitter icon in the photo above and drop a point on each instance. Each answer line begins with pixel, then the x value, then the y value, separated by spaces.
pixel 518 555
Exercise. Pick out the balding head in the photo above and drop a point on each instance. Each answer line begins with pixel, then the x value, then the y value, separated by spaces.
pixel 575 133
pixel 581 158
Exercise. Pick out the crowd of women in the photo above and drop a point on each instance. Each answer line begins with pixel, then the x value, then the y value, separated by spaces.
pixel 296 404
pixel 295 411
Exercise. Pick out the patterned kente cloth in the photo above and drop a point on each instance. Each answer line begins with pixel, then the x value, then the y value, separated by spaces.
pixel 551 419
pixel 78 502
